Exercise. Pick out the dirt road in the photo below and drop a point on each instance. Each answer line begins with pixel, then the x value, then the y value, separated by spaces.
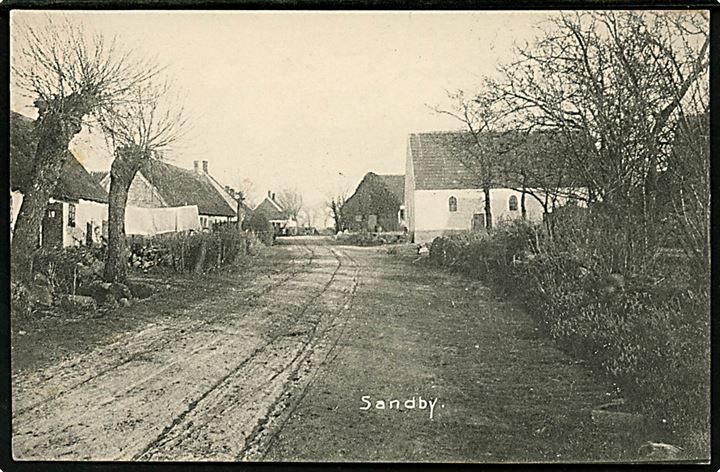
pixel 290 365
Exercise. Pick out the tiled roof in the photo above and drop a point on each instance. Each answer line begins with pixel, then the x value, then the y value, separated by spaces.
pixel 75 181
pixel 180 187
pixel 449 159
pixel 442 160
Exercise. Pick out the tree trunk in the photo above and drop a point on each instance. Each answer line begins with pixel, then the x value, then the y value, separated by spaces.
pixel 488 211
pixel 523 208
pixel 50 156
pixel 57 125
pixel 122 173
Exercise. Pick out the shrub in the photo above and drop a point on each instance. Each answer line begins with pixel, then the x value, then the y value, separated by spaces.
pixel 261 227
pixel 648 332
pixel 186 252
pixel 370 239
pixel 68 268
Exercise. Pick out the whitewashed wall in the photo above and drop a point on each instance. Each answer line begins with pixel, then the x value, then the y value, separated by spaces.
pixel 86 212
pixel 432 215
pixel 16 199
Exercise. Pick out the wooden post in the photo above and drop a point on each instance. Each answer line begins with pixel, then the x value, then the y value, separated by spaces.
pixel 182 253
pixel 219 252
pixel 199 263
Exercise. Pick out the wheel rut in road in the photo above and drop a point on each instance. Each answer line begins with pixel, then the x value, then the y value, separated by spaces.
pixel 191 389
pixel 234 418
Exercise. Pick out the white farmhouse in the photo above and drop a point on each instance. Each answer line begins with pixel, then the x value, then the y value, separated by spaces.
pixel 442 194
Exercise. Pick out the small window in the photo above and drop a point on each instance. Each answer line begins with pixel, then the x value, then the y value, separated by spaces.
pixel 512 203
pixel 402 213
pixel 452 204
pixel 71 215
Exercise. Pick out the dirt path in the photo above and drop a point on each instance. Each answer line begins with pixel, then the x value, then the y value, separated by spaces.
pixel 276 370
pixel 194 387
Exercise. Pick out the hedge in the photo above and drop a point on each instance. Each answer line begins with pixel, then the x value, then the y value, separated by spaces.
pixel 649 333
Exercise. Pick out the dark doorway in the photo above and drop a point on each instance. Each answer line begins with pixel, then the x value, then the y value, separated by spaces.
pixel 478 221
pixel 52 226
pixel 372 222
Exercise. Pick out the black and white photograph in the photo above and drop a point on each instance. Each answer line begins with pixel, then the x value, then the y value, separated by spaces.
pixel 365 236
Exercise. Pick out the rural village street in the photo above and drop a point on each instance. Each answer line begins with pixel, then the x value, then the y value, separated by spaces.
pixel 274 366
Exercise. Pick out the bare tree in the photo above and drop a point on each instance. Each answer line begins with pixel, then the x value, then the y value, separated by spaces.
pixel 335 204
pixel 69 74
pixel 535 166
pixel 615 84
pixel 146 125
pixel 247 188
pixel 480 150
pixel 309 215
pixel 292 201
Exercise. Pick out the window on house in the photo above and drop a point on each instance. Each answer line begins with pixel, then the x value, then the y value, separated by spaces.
pixel 402 213
pixel 513 203
pixel 452 204
pixel 71 215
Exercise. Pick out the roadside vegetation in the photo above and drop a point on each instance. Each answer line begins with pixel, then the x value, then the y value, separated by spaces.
pixel 620 278
pixel 648 333
pixel 72 277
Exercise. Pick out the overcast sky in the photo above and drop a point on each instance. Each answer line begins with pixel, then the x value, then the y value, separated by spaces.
pixel 312 100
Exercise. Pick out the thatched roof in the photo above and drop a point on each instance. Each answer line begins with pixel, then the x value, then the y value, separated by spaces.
pixel 271 209
pixel 180 187
pixel 395 183
pixel 75 181
pixel 376 194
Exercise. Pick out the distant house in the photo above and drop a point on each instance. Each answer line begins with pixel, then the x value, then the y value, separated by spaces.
pixel 442 194
pixel 160 184
pixel 377 204
pixel 77 209
pixel 278 216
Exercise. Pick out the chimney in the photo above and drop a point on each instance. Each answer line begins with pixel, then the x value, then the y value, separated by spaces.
pixel 196 166
pixel 205 167
pixel 269 195
pixel 273 196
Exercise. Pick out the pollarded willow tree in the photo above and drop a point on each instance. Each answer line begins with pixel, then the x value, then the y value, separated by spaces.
pixel 617 85
pixel 150 121
pixel 69 74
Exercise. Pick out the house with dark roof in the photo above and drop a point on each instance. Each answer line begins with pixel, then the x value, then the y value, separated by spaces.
pixel 78 206
pixel 281 221
pixel 443 191
pixel 160 184
pixel 377 204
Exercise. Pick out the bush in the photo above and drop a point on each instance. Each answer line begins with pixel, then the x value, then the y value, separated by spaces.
pixel 649 332
pixel 370 239
pixel 68 269
pixel 188 252
pixel 261 227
